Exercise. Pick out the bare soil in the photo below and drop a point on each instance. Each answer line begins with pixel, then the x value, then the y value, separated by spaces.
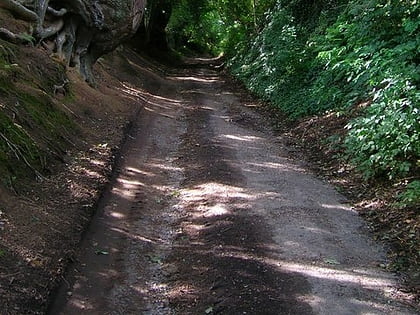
pixel 208 213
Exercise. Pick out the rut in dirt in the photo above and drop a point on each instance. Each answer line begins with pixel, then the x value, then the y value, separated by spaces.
pixel 208 215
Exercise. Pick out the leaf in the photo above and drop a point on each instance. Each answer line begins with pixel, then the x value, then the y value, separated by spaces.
pixel 209 310
pixel 155 259
pixel 176 193
pixel 101 252
pixel 331 261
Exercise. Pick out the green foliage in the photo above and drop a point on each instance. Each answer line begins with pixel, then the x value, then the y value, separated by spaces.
pixel 372 53
pixel 195 26
pixel 275 65
pixel 215 26
pixel 386 140
pixel 411 196
pixel 308 61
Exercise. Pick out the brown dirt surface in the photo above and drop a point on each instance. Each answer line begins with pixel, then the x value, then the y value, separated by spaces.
pixel 41 222
pixel 209 214
pixel 320 140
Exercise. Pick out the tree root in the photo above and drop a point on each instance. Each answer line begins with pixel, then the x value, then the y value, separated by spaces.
pixel 49 31
pixel 57 13
pixel 15 38
pixel 19 155
pixel 19 10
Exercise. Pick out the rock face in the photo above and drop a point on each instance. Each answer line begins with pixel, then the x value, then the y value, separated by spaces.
pixel 83 30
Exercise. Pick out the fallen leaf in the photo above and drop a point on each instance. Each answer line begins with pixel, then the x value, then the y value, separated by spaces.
pixel 331 261
pixel 155 259
pixel 101 252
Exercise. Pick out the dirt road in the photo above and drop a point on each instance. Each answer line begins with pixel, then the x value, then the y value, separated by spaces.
pixel 208 215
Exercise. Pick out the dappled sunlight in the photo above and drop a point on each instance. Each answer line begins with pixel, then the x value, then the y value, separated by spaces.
pixel 369 280
pixel 81 304
pixel 126 188
pixel 130 184
pixel 133 170
pixel 97 162
pixel 277 166
pixel 163 166
pixel 156 103
pixel 213 199
pixel 339 207
pixel 117 215
pixel 135 91
pixel 216 210
pixel 197 79
pixel 213 189
pixel 242 138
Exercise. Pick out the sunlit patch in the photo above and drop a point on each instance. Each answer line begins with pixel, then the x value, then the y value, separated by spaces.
pixel 128 194
pixel 140 290
pixel 197 79
pixel 368 279
pixel 242 138
pixel 159 286
pixel 315 230
pixel 92 174
pixel 80 304
pixel 196 227
pixel 97 162
pixel 109 273
pixel 137 236
pixel 165 167
pixel 216 211
pixel 138 171
pixel 128 183
pixel 338 207
pixel 164 189
pixel 117 215
pixel 278 166
pixel 143 94
pixel 215 191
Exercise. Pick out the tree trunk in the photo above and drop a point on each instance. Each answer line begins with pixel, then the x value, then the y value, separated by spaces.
pixel 82 30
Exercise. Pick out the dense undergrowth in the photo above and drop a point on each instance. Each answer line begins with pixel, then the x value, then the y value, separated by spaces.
pixel 351 57
pixel 367 59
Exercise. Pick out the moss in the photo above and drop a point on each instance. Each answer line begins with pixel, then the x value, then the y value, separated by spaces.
pixel 16 147
pixel 33 132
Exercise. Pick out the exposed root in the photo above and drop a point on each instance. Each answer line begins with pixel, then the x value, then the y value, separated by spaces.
pixel 78 28
pixel 19 10
pixel 20 156
pixel 57 13
pixel 51 30
pixel 15 38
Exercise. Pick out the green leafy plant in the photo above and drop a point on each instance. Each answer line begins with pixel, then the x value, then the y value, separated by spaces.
pixel 311 60
pixel 411 195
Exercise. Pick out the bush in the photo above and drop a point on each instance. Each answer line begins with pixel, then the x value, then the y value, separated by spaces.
pixel 369 52
pixel 411 196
